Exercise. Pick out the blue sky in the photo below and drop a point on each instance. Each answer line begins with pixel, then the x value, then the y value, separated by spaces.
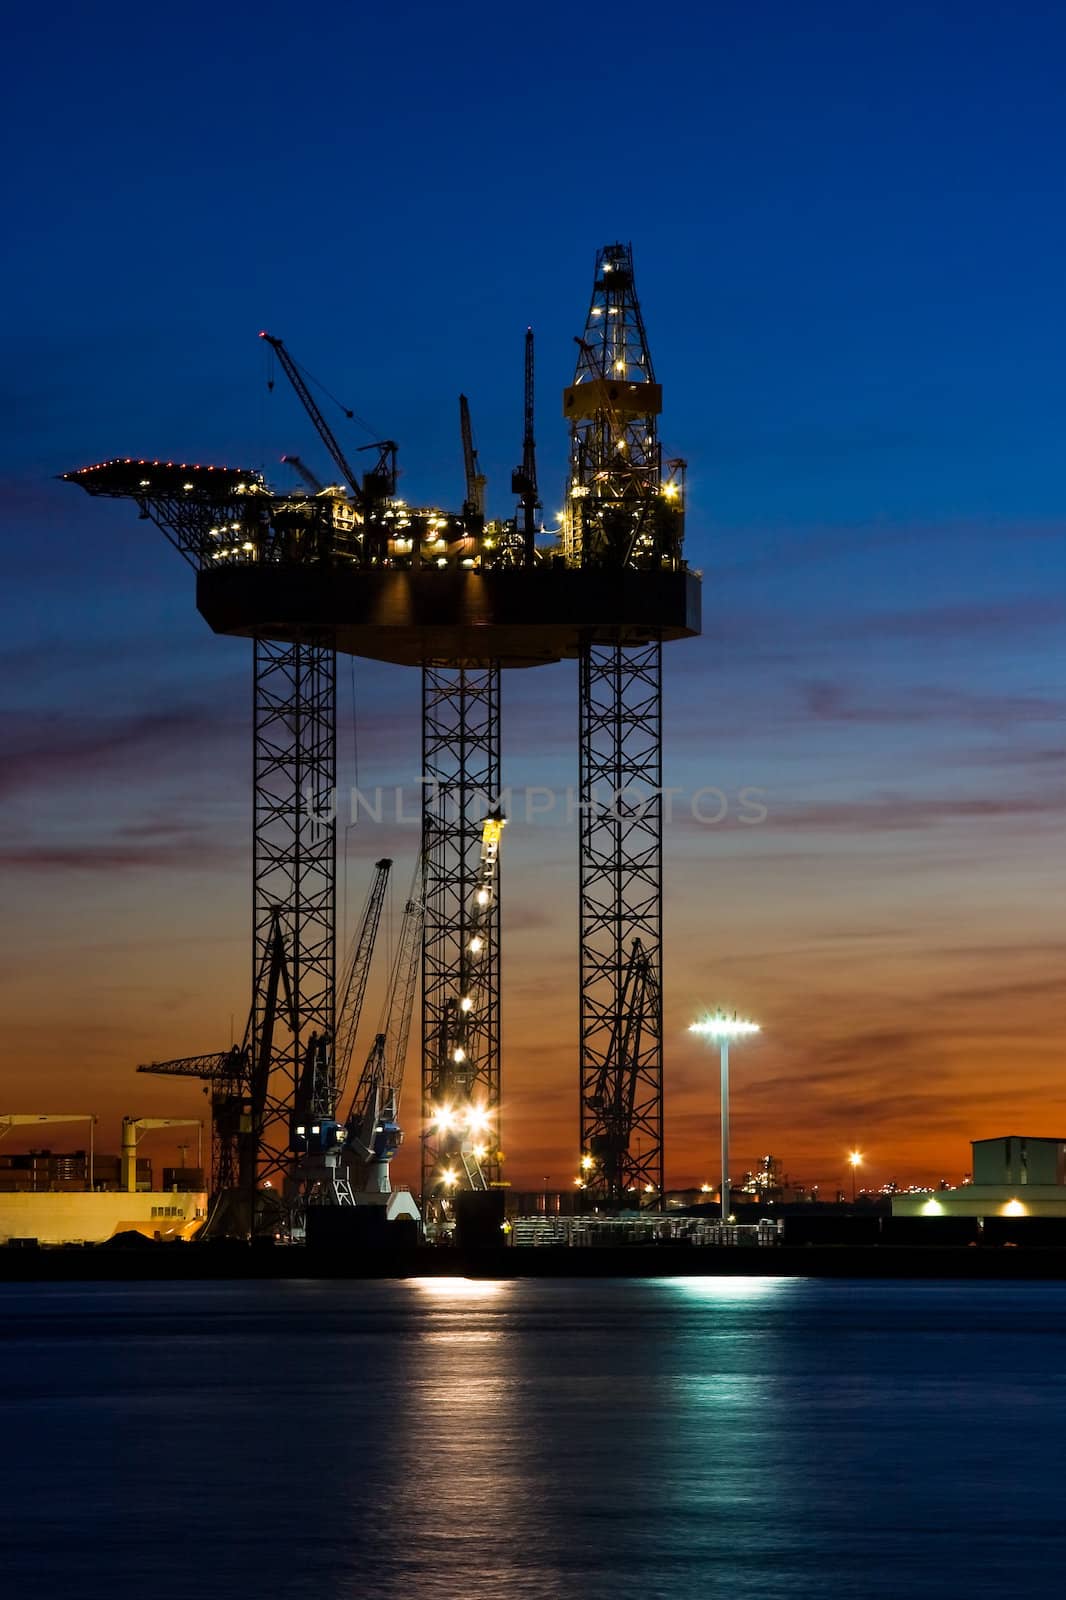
pixel 849 238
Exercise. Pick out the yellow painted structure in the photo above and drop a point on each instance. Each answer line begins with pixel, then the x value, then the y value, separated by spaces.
pixel 91 1218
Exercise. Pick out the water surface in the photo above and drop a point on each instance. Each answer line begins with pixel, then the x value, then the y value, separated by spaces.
pixel 444 1439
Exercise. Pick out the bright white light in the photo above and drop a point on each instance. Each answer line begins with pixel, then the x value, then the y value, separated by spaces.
pixel 478 1119
pixel 449 1177
pixel 855 1158
pixel 587 1163
pixel 719 1026
pixel 442 1118
pixel 458 1054
pixel 466 1004
pixel 480 1152
pixel 1014 1208
pixel 476 945
pixel 932 1208
pixel 482 897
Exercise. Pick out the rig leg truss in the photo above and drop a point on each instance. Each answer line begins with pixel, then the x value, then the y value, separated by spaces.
pixel 293 874
pixel 461 937
pixel 621 813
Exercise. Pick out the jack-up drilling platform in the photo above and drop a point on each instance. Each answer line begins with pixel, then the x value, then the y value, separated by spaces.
pixel 352 569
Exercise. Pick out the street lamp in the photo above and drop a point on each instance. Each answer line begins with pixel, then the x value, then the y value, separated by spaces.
pixel 854 1161
pixel 723 1028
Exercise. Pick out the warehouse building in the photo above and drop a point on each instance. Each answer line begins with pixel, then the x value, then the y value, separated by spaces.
pixel 1014 1176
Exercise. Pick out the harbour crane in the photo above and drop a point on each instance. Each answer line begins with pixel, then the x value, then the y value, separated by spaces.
pixel 524 478
pixel 243 1111
pixel 132 1128
pixel 374 1134
pixel 317 1136
pixel 474 504
pixel 617 1101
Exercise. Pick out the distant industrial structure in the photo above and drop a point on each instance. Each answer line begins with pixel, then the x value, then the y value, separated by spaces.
pixel 1013 1176
pixel 85 1197
pixel 347 567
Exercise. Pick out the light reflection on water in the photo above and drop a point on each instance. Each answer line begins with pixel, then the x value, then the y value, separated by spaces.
pixel 441 1439
pixel 458 1290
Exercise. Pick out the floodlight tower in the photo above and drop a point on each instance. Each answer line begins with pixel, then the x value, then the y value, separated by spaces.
pixel 723 1028
pixel 624 518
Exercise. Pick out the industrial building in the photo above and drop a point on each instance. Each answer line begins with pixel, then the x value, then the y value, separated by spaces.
pixel 1013 1176
pixel 84 1197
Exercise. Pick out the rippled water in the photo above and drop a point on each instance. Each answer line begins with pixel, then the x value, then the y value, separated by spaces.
pixel 445 1439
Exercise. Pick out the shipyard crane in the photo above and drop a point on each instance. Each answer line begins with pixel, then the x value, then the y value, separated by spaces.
pixel 621 1096
pixel 243 1110
pixel 459 1126
pixel 474 504
pixel 131 1131
pixel 316 1135
pixel 352 992
pixel 524 478
pixel 374 1134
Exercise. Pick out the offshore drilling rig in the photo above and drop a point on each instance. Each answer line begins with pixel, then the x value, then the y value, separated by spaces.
pixel 349 568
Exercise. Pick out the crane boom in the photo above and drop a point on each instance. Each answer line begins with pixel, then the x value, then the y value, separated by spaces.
pixel 310 405
pixel 404 982
pixel 353 989
pixel 304 473
pixel 217 1064
pixel 374 1135
pixel 26 1119
pixel 475 478
pixel 611 1104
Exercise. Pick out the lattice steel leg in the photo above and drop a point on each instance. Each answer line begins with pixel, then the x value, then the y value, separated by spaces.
pixel 293 874
pixel 461 784
pixel 621 919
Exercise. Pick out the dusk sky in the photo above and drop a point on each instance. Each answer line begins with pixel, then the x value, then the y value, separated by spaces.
pixel 849 228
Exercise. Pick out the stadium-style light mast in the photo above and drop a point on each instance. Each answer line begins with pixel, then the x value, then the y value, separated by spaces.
pixel 722 1028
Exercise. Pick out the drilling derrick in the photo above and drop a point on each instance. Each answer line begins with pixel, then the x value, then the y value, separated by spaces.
pixel 524 478
pixel 623 514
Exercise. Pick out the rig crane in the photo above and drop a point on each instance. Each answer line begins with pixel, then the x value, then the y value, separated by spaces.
pixel 524 478
pixel 374 1134
pixel 474 505
pixel 370 490
pixel 304 473
pixel 310 405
